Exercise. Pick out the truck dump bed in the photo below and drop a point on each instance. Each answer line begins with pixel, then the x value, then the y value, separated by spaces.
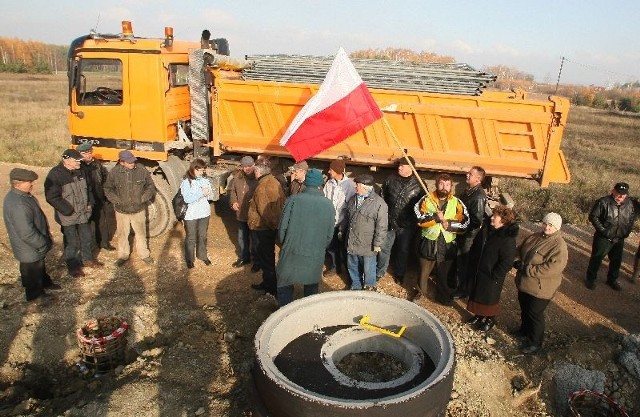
pixel 504 133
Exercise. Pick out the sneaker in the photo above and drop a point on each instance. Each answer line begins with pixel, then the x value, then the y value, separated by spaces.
pixel 614 285
pixel 370 288
pixel 93 264
pixel 120 262
pixel 149 260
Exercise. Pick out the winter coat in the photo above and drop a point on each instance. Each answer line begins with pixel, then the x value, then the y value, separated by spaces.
pixel 339 192
pixel 197 202
pixel 454 212
pixel 265 207
pixel 130 190
pixel 96 175
pixel 26 226
pixel 475 199
pixel 67 191
pixel 612 221
pixel 306 229
pixel 543 260
pixel 401 195
pixel 367 224
pixel 494 261
pixel 241 192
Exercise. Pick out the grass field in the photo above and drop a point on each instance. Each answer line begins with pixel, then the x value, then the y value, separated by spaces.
pixel 600 147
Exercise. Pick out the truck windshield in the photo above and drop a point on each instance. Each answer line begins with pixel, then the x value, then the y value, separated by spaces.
pixel 100 82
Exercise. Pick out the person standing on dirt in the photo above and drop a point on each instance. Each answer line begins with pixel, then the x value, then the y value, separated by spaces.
pixel 67 190
pixel 29 235
pixel 401 191
pixel 339 189
pixel 305 231
pixel 130 188
pixel 441 216
pixel 541 258
pixel 474 199
pixel 242 189
pixel 297 173
pixel 612 216
pixel 103 217
pixel 493 256
pixel 196 191
pixel 265 208
pixel 367 216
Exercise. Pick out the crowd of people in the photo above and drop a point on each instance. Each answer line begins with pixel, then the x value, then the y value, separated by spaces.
pixel 468 247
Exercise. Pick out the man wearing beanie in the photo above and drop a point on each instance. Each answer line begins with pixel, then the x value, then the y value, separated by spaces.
pixel 28 232
pixel 367 217
pixel 612 216
pixel 401 191
pixel 338 189
pixel 540 260
pixel 305 231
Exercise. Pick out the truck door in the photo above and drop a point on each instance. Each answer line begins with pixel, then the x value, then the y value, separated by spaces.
pixel 99 101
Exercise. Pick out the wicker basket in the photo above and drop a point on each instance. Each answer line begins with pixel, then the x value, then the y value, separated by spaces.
pixel 102 343
pixel 585 403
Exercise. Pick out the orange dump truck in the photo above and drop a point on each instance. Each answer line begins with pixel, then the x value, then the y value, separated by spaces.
pixel 127 92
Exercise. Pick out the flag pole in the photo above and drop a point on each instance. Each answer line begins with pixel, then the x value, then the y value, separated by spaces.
pixel 404 154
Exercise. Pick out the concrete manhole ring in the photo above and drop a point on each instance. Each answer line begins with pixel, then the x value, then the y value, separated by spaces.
pixel 297 347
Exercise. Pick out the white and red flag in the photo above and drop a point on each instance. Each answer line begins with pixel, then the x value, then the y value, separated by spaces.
pixel 342 107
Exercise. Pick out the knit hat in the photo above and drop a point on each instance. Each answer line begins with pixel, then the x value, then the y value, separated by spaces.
pixel 247 161
pixel 84 147
pixel 72 154
pixel 364 179
pixel 21 174
pixel 338 166
pixel 313 178
pixel 127 156
pixel 553 219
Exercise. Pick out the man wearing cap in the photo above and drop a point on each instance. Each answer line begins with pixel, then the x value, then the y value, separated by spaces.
pixel 612 216
pixel 401 191
pixel 103 217
pixel 242 188
pixel 305 231
pixel 367 216
pixel 67 190
pixel 265 209
pixel 297 172
pixel 130 188
pixel 339 189
pixel 28 232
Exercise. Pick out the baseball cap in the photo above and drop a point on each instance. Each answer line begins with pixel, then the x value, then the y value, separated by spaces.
pixel 71 154
pixel 127 156
pixel 299 165
pixel 246 161
pixel 622 188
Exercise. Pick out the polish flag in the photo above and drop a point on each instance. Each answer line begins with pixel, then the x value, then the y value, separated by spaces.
pixel 342 107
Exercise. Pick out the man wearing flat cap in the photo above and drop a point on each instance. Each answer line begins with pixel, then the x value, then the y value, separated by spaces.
pixel 305 230
pixel 368 219
pixel 612 216
pixel 28 232
pixel 103 217
pixel 67 190
pixel 130 188
pixel 242 188
pixel 297 172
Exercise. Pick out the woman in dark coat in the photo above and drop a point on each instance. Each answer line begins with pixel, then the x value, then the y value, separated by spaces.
pixel 495 255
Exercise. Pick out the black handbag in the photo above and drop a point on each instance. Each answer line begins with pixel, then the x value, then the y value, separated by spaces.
pixel 179 206
pixel 428 249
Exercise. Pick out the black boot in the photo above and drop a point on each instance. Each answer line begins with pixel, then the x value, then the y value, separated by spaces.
pixel 474 320
pixel 487 324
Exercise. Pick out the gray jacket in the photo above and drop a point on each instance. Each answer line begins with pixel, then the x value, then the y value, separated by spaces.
pixel 26 226
pixel 367 224
pixel 68 192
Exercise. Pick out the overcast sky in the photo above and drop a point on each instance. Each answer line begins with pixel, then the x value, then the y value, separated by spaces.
pixel 598 38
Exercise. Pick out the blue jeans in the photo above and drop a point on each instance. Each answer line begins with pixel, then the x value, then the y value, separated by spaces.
pixel 78 240
pixel 285 294
pixel 361 267
pixel 401 238
pixel 246 247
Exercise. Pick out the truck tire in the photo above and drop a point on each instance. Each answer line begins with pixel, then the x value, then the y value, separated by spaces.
pixel 160 215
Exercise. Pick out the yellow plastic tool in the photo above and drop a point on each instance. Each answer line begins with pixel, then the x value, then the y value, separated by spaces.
pixel 364 322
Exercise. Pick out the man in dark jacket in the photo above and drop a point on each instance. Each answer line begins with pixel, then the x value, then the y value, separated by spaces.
pixel 475 200
pixel 67 190
pixel 244 184
pixel 305 231
pixel 28 232
pixel 103 217
pixel 130 188
pixel 367 216
pixel 613 217
pixel 401 192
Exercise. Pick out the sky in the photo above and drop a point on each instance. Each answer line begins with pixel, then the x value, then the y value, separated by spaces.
pixel 599 40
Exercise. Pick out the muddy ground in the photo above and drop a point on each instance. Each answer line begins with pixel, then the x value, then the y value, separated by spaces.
pixel 179 362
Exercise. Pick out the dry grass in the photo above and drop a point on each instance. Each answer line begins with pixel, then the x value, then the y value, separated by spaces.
pixel 601 148
pixel 33 121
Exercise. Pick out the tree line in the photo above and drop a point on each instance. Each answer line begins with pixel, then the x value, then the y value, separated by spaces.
pixel 20 56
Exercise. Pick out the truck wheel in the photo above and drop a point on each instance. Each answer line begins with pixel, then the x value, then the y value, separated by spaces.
pixel 161 217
